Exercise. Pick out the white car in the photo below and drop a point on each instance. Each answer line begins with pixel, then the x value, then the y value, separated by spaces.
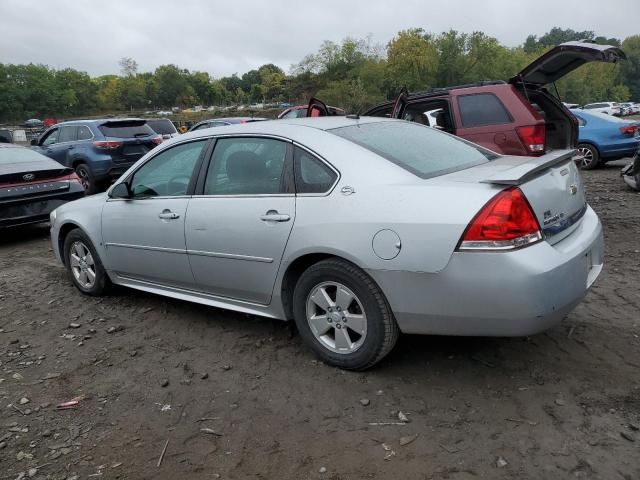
pixel 610 108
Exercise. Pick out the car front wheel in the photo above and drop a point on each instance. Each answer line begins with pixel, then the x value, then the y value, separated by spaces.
pixel 590 156
pixel 343 315
pixel 84 265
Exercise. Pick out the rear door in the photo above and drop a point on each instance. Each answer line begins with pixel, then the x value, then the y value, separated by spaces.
pixel 62 150
pixel 400 104
pixel 238 225
pixel 317 108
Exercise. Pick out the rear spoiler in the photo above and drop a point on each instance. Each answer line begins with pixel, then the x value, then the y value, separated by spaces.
pixel 529 169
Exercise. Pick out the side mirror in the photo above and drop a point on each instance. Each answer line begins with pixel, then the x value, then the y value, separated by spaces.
pixel 34 142
pixel 121 190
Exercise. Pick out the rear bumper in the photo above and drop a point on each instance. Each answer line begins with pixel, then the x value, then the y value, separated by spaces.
pixel 515 293
pixel 35 209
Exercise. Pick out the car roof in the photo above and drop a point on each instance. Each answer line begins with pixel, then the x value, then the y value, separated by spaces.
pixel 96 121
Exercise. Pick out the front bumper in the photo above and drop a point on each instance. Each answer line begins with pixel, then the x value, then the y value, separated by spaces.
pixel 516 293
pixel 35 209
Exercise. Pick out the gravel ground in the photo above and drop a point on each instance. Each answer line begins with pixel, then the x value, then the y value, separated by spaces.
pixel 240 397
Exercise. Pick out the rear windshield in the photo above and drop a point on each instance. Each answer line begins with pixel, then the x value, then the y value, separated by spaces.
pixel 421 150
pixel 126 129
pixel 163 127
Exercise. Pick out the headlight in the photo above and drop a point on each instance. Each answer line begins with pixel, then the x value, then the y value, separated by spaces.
pixel 52 218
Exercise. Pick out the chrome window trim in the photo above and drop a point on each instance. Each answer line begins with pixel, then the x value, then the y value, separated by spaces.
pixel 162 197
pixel 325 162
pixel 247 195
pixel 74 141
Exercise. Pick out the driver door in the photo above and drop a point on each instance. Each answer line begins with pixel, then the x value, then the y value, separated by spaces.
pixel 144 234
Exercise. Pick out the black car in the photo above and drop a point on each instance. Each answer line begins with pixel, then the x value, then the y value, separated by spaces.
pixel 32 186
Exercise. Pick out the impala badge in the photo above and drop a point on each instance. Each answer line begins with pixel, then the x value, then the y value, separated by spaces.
pixel 573 189
pixel 28 177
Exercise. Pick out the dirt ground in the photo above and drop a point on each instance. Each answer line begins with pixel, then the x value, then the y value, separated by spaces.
pixel 563 404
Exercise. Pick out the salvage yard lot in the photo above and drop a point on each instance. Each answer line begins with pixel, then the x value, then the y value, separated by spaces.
pixel 562 404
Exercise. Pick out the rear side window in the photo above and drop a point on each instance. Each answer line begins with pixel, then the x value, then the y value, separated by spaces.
pixel 84 133
pixel 482 109
pixel 247 166
pixel 421 150
pixel 312 175
pixel 126 129
pixel 68 134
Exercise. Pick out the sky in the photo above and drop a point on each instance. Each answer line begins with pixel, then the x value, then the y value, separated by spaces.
pixel 234 36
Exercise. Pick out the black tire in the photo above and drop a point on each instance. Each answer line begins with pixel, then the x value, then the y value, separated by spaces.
pixel 87 178
pixel 382 330
pixel 591 152
pixel 102 282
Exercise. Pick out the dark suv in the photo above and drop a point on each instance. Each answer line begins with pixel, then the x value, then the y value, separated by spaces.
pixel 99 150
pixel 519 117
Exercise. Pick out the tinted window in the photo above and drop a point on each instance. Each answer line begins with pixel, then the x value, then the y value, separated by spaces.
pixel 51 138
pixel 482 109
pixel 217 124
pixel 247 166
pixel 201 126
pixel 596 105
pixel 169 172
pixel 423 151
pixel 84 133
pixel 68 134
pixel 126 129
pixel 163 126
pixel 312 175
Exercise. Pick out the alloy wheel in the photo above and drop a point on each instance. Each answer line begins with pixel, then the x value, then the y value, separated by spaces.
pixel 82 265
pixel 336 317
pixel 84 178
pixel 587 156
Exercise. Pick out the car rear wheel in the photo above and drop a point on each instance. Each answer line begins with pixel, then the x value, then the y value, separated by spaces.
pixel 590 156
pixel 343 315
pixel 84 265
pixel 86 178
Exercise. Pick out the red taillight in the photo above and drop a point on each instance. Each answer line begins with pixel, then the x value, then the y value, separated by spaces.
pixel 107 144
pixel 532 137
pixel 157 140
pixel 629 129
pixel 505 222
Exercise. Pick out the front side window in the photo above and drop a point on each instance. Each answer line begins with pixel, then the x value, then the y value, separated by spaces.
pixel 247 166
pixel 167 174
pixel 482 109
pixel 51 137
pixel 68 134
pixel 421 150
pixel 312 175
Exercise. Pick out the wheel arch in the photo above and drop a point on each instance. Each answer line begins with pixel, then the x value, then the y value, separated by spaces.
pixel 64 231
pixel 296 267
pixel 591 143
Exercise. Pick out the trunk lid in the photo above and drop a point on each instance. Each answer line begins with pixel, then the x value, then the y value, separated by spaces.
pixel 563 59
pixel 551 184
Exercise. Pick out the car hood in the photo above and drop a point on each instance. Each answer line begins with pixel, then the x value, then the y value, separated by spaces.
pixel 565 58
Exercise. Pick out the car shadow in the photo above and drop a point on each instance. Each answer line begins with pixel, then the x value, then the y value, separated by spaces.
pixel 15 235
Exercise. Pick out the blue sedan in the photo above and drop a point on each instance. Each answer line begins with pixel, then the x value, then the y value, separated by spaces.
pixel 603 138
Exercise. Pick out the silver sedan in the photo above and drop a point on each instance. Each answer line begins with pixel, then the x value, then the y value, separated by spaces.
pixel 356 228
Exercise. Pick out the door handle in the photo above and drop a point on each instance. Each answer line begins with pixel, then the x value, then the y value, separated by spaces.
pixel 274 216
pixel 70 147
pixel 168 215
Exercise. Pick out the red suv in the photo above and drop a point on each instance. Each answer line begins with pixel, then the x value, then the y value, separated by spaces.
pixel 519 117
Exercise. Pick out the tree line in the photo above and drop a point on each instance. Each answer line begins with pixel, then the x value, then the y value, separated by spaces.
pixel 352 74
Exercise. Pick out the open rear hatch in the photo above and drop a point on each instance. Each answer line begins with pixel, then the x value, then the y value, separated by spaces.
pixel 552 185
pixel 565 58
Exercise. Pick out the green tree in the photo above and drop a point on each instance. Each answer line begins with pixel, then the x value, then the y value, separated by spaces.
pixel 412 60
